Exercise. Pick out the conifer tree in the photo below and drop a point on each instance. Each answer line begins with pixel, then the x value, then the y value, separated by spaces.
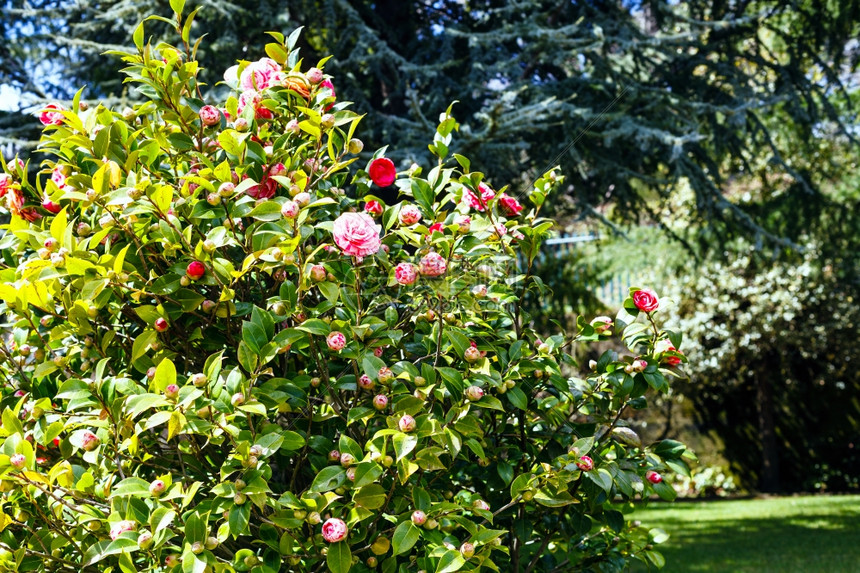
pixel 636 99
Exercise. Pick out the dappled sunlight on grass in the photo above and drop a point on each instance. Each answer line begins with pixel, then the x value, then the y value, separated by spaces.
pixel 790 534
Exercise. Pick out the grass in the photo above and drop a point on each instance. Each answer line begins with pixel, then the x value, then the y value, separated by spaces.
pixel 816 534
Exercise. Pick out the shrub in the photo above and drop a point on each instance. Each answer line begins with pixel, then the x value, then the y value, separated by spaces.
pixel 219 360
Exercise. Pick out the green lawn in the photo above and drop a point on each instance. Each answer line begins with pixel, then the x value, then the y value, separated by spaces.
pixel 818 534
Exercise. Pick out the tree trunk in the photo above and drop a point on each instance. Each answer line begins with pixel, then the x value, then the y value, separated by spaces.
pixel 769 479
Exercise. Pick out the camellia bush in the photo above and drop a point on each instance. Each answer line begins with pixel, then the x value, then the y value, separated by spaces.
pixel 230 344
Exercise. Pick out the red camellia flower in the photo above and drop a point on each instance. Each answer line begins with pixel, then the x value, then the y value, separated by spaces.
pixel 373 208
pixel 646 300
pixel 436 228
pixel 334 530
pixel 382 171
pixel 52 114
pixel 50 206
pixel 667 346
pixel 510 206
pixel 265 190
pixel 195 270
pixel 356 234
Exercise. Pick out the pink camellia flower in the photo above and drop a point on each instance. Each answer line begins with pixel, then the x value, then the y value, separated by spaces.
pixel 356 234
pixel 318 273
pixel 436 228
pixel 432 265
pixel 89 441
pixel 209 115
pixel 157 487
pixel 336 341
pixel 261 75
pixel 254 99
pixel 290 210
pixel 385 375
pixel 365 382
pixel 639 365
pixel 406 423
pixel 409 215
pixel 382 171
pixel 601 324
pixel 326 84
pixel 646 300
pixel 501 230
pixel 585 464
pixel 481 504
pixel 52 114
pixel 265 190
pixel 479 204
pixel 18 460
pixel 419 517
pixel 5 183
pixel 314 75
pixel 334 530
pixel 57 176
pixel 465 223
pixel 277 169
pixel 405 273
pixel 472 354
pixel 653 477
pixel 373 208
pixel 474 393
pixel 380 401
pixel 119 527
pixel 510 206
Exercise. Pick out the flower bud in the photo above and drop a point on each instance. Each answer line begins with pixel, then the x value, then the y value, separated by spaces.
pixel 419 517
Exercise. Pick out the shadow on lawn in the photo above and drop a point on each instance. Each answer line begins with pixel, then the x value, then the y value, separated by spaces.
pixel 708 541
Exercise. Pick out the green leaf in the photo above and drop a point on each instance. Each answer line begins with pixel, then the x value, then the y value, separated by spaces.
pixel 238 518
pixel 450 561
pixel 405 536
pixel 403 444
pixel 137 36
pixel 196 528
pixel 165 374
pixel 370 496
pixel 177 6
pixel 339 558
pixel 131 486
pixel 517 398
pixel 139 403
pixel 329 478
pixel 549 499
pixel 665 491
